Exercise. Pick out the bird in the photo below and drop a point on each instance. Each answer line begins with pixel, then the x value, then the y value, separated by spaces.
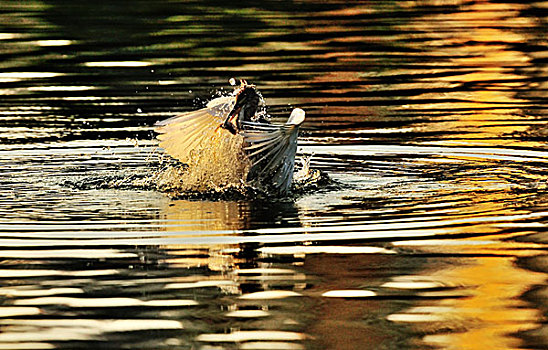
pixel 233 141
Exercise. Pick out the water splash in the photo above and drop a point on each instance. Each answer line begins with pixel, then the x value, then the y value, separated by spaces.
pixel 209 169
pixel 206 176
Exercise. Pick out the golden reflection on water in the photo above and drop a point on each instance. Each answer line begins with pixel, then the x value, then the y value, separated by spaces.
pixel 491 108
pixel 459 293
pixel 199 217
pixel 490 313
pixel 483 311
pixel 203 215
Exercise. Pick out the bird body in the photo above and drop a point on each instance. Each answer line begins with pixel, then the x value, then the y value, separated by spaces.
pixel 227 143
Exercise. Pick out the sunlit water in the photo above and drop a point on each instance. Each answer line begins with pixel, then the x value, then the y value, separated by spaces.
pixel 429 116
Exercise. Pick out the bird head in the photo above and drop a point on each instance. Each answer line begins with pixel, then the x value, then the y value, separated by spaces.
pixel 247 102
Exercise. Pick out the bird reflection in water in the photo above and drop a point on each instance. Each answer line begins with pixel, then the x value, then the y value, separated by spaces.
pixel 232 143
pixel 257 294
pixel 184 218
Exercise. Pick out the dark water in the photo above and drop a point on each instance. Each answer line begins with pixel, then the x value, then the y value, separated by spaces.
pixel 431 116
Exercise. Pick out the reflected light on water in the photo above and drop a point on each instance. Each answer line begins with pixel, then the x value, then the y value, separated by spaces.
pixel 10 77
pixel 118 64
pixel 248 314
pixel 490 90
pixel 270 295
pixel 104 302
pixel 490 312
pixel 241 336
pixel 61 88
pixel 18 311
pixel 22 330
pixel 186 215
pixel 349 294
pixel 429 116
pixel 58 42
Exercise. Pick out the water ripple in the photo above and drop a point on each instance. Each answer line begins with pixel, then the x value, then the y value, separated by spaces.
pixel 429 117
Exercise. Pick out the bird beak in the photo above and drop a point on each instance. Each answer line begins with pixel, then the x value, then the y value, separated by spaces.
pixel 229 121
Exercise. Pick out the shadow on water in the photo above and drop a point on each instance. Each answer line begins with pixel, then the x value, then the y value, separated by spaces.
pixel 429 116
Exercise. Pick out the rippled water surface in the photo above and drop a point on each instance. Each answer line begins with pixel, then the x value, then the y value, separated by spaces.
pixel 429 116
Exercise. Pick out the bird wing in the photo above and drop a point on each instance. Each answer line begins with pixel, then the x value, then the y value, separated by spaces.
pixel 271 149
pixel 182 135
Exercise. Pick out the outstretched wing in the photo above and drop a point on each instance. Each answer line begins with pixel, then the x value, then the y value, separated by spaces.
pixel 182 135
pixel 271 149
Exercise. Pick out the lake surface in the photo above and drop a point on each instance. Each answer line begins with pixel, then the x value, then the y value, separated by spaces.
pixel 429 116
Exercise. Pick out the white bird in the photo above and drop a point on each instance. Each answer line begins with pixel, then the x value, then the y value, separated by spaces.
pixel 229 143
